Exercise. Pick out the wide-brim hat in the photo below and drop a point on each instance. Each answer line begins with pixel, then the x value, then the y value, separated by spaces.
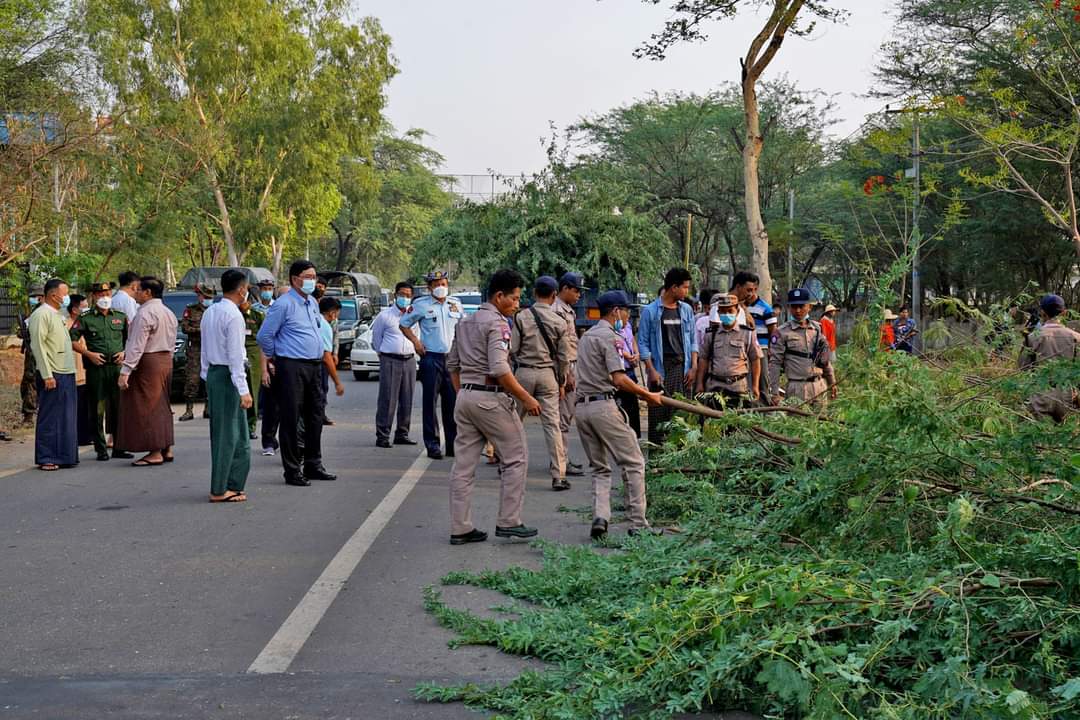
pixel 830 308
pixel 889 315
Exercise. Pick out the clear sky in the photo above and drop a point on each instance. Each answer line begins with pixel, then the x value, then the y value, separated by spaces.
pixel 486 77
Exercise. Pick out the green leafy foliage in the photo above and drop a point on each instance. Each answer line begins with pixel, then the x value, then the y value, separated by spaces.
pixel 915 556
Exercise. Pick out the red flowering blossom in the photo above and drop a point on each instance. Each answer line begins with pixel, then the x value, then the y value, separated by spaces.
pixel 873 182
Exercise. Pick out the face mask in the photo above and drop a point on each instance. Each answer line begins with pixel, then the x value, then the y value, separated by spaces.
pixel 727 320
pixel 65 301
pixel 308 287
pixel 267 295
pixel 618 325
pixel 440 292
pixel 34 302
pixel 404 303
pixel 104 302
pixel 207 302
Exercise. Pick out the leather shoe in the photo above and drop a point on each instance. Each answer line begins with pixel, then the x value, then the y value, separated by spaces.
pixel 121 455
pixel 382 443
pixel 103 456
pixel 404 441
pixel 634 532
pixel 472 536
pixel 435 453
pixel 560 484
pixel 518 531
pixel 599 528
pixel 574 470
pixel 318 473
pixel 297 481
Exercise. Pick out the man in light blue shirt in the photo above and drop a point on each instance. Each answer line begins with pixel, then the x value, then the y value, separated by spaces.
pixel 290 337
pixel 397 369
pixel 438 315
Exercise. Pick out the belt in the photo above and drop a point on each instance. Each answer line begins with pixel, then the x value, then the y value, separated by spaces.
pixel 395 356
pixel 305 361
pixel 534 367
pixel 594 398
pixel 726 380
pixel 482 388
pixel 812 378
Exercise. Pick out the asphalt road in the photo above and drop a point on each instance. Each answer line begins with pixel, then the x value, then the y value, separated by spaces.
pixel 124 593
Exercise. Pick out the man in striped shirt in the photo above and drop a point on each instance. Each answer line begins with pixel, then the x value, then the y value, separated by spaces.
pixel 745 287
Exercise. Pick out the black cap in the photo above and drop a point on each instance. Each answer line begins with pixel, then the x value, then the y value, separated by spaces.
pixel 1052 305
pixel 800 296
pixel 612 299
pixel 574 280
pixel 546 284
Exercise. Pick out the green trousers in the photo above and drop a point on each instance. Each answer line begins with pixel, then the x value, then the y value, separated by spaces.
pixel 103 401
pixel 254 379
pixel 230 449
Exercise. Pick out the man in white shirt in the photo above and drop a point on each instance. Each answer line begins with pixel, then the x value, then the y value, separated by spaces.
pixel 397 369
pixel 124 299
pixel 228 395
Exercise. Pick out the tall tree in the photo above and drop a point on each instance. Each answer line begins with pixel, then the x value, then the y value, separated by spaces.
pixel 794 16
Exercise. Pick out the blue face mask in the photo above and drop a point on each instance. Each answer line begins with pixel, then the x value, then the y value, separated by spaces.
pixel 66 302
pixel 206 302
pixel 404 302
pixel 309 286
pixel 727 319
pixel 35 301
pixel 619 325
pixel 267 295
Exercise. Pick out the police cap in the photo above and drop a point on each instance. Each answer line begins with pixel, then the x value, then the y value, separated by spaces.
pixel 1052 305
pixel 437 275
pixel 724 300
pixel 800 296
pixel 266 282
pixel 101 287
pixel 573 280
pixel 612 299
pixel 546 285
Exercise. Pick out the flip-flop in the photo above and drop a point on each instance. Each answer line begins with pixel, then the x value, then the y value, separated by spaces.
pixel 142 462
pixel 234 498
pixel 48 467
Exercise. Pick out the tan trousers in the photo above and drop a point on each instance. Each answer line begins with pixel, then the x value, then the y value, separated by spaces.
pixel 541 384
pixel 566 413
pixel 604 430
pixel 816 392
pixel 492 417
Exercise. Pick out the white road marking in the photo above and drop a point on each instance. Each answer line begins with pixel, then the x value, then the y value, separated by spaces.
pixel 291 636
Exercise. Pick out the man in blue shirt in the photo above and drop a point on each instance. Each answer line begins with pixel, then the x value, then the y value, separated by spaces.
pixel 668 344
pixel 290 337
pixel 757 314
pixel 904 329
pixel 437 315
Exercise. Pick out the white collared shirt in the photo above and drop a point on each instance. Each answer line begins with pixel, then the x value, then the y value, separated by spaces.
pixel 222 328
pixel 386 335
pixel 126 304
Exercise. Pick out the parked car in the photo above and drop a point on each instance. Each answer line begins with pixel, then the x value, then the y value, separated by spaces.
pixel 470 301
pixel 198 275
pixel 363 359
pixel 346 328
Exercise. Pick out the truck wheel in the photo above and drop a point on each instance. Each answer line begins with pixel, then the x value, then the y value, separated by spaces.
pixel 360 375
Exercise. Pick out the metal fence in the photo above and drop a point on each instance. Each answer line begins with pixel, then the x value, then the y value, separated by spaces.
pixel 9 311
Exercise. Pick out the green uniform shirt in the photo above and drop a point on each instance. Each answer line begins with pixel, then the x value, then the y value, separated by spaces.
pixel 103 333
pixel 253 320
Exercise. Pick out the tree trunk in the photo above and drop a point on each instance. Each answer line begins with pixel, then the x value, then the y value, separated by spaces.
pixel 223 217
pixel 755 225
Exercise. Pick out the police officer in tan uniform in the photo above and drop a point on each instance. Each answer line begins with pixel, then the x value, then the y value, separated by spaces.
pixel 730 357
pixel 539 344
pixel 479 366
pixel 602 426
pixel 801 352
pixel 1052 341
pixel 571 285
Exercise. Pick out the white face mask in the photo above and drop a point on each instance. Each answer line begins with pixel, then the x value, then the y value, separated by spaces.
pixel 440 292
pixel 104 302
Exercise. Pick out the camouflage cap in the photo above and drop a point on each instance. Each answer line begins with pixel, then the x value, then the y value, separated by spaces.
pixel 207 289
pixel 36 289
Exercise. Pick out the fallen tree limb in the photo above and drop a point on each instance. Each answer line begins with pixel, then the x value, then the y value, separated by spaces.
pixel 720 415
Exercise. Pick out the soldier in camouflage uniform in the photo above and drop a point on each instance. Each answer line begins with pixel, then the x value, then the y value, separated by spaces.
pixel 253 320
pixel 27 388
pixel 190 323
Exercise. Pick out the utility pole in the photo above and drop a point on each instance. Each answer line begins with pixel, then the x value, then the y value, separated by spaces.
pixel 790 247
pixel 689 229
pixel 916 237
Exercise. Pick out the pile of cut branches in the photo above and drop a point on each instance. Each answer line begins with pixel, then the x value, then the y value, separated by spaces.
pixel 916 555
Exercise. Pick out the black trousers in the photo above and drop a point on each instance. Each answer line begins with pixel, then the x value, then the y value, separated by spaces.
pixel 300 400
pixel 268 410
pixel 629 403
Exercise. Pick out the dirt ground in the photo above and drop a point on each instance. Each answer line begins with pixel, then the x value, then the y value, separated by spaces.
pixel 11 367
